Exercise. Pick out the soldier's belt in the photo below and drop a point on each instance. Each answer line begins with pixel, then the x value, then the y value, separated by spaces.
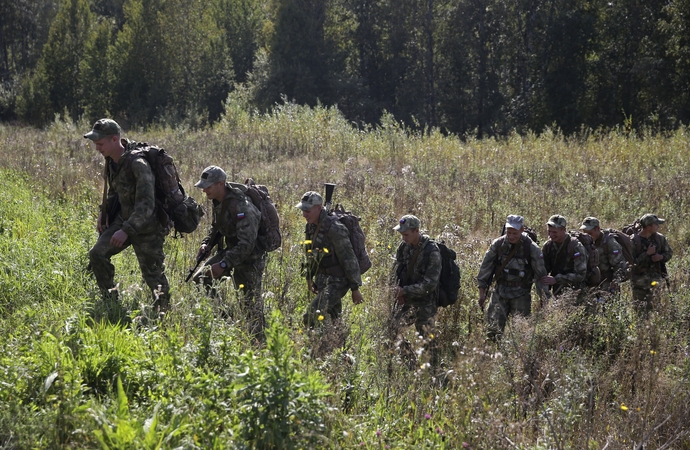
pixel 523 284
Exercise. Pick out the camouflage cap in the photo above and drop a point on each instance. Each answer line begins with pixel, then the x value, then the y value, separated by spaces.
pixel 589 223
pixel 210 175
pixel 407 222
pixel 309 200
pixel 515 221
pixel 651 219
pixel 103 128
pixel 557 221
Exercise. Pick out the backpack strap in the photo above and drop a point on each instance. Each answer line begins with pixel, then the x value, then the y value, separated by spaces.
pixel 508 258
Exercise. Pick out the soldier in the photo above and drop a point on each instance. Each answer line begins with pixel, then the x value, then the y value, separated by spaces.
pixel 612 263
pixel 239 254
pixel 565 258
pixel 332 260
pixel 515 261
pixel 418 269
pixel 128 215
pixel 651 253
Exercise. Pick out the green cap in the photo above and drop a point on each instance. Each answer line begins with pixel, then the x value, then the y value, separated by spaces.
pixel 309 200
pixel 651 219
pixel 211 175
pixel 589 223
pixel 103 128
pixel 557 221
pixel 407 222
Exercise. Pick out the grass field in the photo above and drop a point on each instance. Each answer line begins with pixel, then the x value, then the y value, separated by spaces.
pixel 561 379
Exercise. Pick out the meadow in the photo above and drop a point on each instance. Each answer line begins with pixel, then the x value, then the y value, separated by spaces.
pixel 72 377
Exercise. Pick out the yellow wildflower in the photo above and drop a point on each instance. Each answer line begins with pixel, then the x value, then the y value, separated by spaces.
pixel 241 286
pixel 652 352
pixel 320 318
pixel 654 283
pixel 623 407
pixel 325 250
pixel 309 251
pixel 307 242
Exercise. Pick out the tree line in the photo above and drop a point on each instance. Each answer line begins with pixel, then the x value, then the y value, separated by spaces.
pixel 483 67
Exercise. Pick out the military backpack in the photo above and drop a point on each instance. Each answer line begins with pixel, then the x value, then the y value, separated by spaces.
pixel 175 207
pixel 356 233
pixel 623 239
pixel 449 281
pixel 269 227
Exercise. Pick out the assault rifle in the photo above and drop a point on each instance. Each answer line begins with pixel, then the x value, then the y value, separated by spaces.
pixel 201 257
pixel 330 187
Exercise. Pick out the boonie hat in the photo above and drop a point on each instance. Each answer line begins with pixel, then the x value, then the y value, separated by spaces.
pixel 589 223
pixel 210 175
pixel 557 221
pixel 407 222
pixel 103 128
pixel 309 199
pixel 651 219
pixel 515 221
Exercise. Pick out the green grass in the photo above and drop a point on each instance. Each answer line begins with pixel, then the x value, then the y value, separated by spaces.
pixel 560 379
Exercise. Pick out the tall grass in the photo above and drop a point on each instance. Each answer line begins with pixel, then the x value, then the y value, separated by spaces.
pixel 564 378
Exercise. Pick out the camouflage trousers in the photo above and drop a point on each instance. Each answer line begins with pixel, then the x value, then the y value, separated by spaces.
pixel 645 291
pixel 149 251
pixel 422 315
pixel 330 292
pixel 500 308
pixel 246 279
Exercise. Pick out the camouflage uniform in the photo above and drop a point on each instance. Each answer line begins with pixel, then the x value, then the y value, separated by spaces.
pixel 132 183
pixel 237 220
pixel 612 263
pixel 566 262
pixel 514 283
pixel 645 272
pixel 421 287
pixel 336 271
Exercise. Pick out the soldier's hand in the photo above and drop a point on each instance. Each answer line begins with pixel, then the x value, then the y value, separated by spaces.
pixel 216 270
pixel 548 280
pixel 400 296
pixel 651 249
pixel 357 297
pixel 312 286
pixel 99 224
pixel 118 239
pixel 482 301
pixel 202 251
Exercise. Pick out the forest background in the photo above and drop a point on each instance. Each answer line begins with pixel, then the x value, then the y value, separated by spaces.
pixel 459 112
pixel 483 67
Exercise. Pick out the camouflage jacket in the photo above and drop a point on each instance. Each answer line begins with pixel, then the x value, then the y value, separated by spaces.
pixel 135 189
pixel 237 219
pixel 612 263
pixel 643 262
pixel 566 262
pixel 422 285
pixel 519 274
pixel 339 258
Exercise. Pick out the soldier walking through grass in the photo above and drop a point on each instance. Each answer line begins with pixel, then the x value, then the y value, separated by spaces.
pixel 515 261
pixel 332 267
pixel 651 252
pixel 128 216
pixel 612 262
pixel 565 258
pixel 236 220
pixel 417 273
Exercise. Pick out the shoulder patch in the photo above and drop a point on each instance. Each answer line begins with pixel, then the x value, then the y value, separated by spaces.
pixel 240 216
pixel 615 252
pixel 541 255
pixel 576 255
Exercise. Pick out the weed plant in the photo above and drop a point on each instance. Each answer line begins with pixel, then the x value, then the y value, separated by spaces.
pixel 76 374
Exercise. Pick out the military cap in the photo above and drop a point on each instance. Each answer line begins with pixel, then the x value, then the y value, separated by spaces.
pixel 210 175
pixel 557 221
pixel 103 128
pixel 515 221
pixel 589 223
pixel 309 199
pixel 650 219
pixel 407 222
